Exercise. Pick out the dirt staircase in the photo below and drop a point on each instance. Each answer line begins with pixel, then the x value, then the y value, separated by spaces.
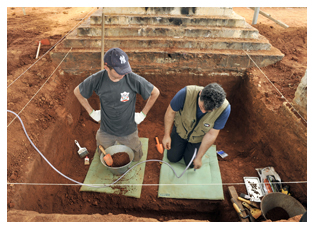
pixel 167 40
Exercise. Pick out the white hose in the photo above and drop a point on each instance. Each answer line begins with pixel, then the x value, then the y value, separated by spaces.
pixel 104 185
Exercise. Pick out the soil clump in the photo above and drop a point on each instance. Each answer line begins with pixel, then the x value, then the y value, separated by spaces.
pixel 120 159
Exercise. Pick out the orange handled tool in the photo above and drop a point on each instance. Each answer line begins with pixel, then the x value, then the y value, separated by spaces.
pixel 107 157
pixel 159 146
pixel 238 210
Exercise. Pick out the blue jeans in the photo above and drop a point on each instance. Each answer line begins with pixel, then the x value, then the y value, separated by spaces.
pixel 181 148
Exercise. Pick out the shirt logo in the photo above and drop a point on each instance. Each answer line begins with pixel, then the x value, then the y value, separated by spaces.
pixel 206 125
pixel 124 96
pixel 122 59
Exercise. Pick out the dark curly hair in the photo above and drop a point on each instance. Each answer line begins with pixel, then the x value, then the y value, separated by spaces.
pixel 213 96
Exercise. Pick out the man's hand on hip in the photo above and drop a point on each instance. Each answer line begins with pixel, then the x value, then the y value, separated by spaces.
pixel 96 115
pixel 139 117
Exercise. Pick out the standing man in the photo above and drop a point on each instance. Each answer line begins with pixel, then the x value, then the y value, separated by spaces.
pixel 117 87
pixel 198 113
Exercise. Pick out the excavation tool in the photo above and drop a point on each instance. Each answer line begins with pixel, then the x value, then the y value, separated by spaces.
pixel 251 198
pixel 82 151
pixel 234 195
pixel 44 42
pixel 248 202
pixel 107 157
pixel 254 212
pixel 159 146
pixel 238 209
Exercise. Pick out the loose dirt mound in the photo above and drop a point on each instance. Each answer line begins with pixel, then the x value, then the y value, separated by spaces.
pixel 292 42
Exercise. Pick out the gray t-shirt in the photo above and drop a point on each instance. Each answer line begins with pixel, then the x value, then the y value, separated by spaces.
pixel 117 99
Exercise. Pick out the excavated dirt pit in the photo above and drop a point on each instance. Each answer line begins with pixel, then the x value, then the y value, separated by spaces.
pixel 247 138
pixel 259 133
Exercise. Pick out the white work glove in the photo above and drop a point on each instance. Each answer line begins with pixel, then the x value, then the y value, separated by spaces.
pixel 96 115
pixel 139 117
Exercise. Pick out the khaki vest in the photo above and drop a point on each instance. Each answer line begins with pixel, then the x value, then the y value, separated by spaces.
pixel 186 120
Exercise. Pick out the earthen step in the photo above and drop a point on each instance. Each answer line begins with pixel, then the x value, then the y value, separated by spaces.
pixel 233 20
pixel 224 11
pixel 86 29
pixel 170 59
pixel 261 43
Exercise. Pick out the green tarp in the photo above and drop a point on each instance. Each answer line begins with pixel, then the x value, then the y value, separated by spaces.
pixel 129 185
pixel 204 183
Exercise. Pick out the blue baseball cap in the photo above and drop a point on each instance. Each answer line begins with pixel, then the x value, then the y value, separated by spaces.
pixel 118 59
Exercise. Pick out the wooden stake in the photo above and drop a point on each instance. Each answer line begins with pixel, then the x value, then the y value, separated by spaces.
pixel 39 43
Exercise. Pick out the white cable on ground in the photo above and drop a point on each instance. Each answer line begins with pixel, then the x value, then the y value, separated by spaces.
pixel 40 87
pixel 91 185
pixel 51 48
pixel 276 87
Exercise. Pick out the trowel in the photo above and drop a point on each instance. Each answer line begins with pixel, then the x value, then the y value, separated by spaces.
pixel 107 157
pixel 159 146
pixel 255 212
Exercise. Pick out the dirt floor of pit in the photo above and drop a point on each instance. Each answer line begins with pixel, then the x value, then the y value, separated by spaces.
pixel 256 134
